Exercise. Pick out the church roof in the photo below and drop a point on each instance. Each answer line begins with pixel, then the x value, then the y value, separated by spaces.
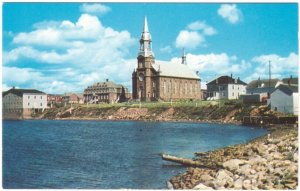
pixel 174 70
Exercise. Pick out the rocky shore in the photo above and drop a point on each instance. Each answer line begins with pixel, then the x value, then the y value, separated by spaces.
pixel 269 162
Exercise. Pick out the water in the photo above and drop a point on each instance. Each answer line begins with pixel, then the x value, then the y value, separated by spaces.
pixel 104 154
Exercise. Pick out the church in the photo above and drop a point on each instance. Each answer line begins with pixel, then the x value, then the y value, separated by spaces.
pixel 162 81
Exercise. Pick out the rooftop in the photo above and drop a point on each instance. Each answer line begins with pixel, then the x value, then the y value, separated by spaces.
pixel 226 80
pixel 20 92
pixel 264 83
pixel 174 69
pixel 289 90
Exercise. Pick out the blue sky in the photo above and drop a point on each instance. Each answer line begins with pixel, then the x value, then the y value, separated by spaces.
pixel 63 47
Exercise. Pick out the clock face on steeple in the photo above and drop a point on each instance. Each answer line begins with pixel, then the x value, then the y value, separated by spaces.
pixel 141 77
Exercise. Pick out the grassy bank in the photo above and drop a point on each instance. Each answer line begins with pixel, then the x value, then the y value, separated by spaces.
pixel 222 111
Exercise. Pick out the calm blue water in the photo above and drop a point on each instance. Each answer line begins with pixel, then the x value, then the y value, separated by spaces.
pixel 99 154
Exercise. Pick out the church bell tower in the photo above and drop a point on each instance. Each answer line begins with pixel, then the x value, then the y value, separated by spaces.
pixel 143 81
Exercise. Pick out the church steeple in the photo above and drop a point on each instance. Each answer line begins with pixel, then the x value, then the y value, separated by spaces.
pixel 145 41
pixel 183 60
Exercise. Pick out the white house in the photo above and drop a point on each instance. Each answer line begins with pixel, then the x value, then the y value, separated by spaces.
pixel 225 87
pixel 23 102
pixel 285 99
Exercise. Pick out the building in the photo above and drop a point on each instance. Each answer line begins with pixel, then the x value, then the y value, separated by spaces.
pixel 54 100
pixel 263 87
pixel 105 92
pixel 19 103
pixel 69 98
pixel 225 87
pixel 285 99
pixel 288 81
pixel 157 80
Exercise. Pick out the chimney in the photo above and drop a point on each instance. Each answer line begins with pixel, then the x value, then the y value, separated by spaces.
pixel 106 80
pixel 231 76
pixel 13 87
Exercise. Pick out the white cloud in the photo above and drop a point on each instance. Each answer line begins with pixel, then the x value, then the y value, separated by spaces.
pixel 96 9
pixel 77 55
pixel 212 65
pixel 230 13
pixel 189 39
pixel 194 35
pixel 281 67
pixel 201 25
pixel 166 49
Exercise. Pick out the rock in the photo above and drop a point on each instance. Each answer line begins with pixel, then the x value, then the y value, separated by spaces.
pixel 256 160
pixel 295 157
pixel 245 169
pixel 247 184
pixel 206 178
pixel 222 179
pixel 202 187
pixel 233 164
pixel 238 184
pixel 278 172
pixel 277 156
pixel 170 185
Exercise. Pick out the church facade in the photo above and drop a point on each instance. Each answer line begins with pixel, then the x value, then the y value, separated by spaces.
pixel 157 80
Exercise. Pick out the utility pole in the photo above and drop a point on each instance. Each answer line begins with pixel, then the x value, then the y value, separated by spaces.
pixel 269 95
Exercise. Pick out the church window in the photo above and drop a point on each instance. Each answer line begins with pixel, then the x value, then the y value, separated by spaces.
pixel 175 87
pixel 191 87
pixel 164 87
pixel 185 89
pixel 170 87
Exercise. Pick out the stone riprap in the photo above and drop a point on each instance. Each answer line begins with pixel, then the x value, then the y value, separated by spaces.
pixel 269 162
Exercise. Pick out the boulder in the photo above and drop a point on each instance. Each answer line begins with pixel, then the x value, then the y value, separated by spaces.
pixel 233 164
pixel 277 156
pixel 170 185
pixel 247 184
pixel 295 157
pixel 222 179
pixel 202 187
pixel 244 170
pixel 206 178
pixel 238 184
pixel 257 160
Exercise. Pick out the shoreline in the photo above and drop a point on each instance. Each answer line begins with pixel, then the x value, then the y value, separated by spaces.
pixel 243 166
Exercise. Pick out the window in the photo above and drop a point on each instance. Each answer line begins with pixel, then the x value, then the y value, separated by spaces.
pixel 185 88
pixel 164 87
pixel 28 104
pixel 191 87
pixel 232 93
pixel 175 88
pixel 170 87
pixel 233 87
pixel 34 97
pixel 41 104
pixel 28 97
pixel 41 97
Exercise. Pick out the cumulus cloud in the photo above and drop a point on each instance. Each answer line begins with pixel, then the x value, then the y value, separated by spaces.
pixel 212 65
pixel 189 39
pixel 230 13
pixel 194 35
pixel 281 67
pixel 201 25
pixel 95 9
pixel 71 54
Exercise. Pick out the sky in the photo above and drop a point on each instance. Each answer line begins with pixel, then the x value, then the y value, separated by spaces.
pixel 65 47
